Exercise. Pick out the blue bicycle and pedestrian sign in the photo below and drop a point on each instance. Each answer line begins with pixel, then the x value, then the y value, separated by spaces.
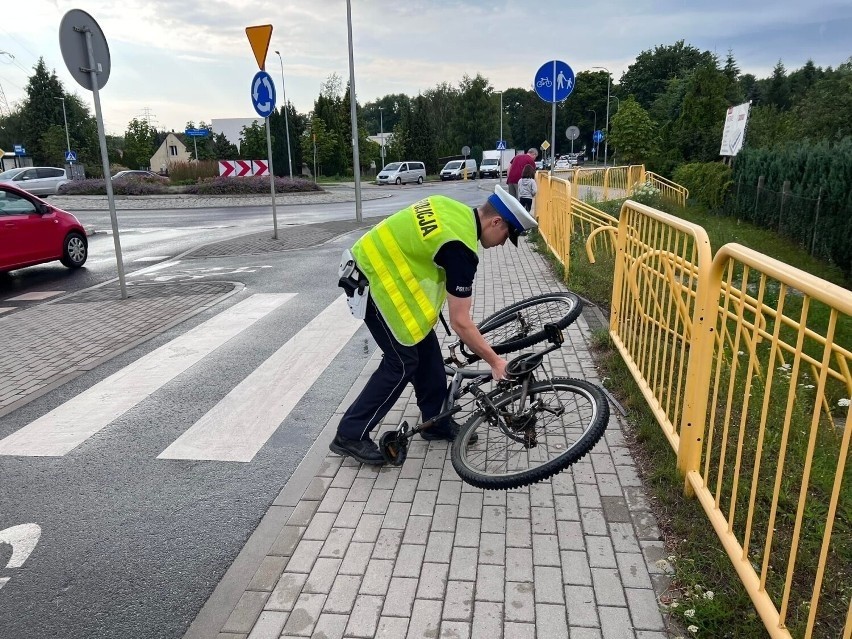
pixel 598 136
pixel 554 81
pixel 263 94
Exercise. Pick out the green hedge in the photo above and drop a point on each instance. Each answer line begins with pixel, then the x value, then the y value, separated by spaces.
pixel 707 182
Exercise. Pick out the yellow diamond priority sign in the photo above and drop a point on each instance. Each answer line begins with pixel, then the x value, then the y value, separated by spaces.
pixel 259 38
pixel 545 145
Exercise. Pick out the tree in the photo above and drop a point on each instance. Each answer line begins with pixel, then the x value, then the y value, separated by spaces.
pixel 475 120
pixel 698 130
pixel 633 133
pixel 139 144
pixel 825 111
pixel 778 89
pixel 318 137
pixel 253 142
pixel 733 90
pixel 648 76
pixel 41 110
pixel 224 149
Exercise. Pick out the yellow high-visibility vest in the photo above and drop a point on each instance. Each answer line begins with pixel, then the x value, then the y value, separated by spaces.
pixel 397 257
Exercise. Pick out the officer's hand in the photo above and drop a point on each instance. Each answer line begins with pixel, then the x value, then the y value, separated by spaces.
pixel 498 369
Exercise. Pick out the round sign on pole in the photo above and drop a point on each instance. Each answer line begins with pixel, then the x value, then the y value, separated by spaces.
pixel 554 81
pixel 465 150
pixel 572 133
pixel 72 43
pixel 263 94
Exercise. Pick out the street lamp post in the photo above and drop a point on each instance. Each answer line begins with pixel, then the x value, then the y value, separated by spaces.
pixel 65 120
pixel 594 129
pixel 501 135
pixel 286 123
pixel 606 138
pixel 382 133
pixel 617 102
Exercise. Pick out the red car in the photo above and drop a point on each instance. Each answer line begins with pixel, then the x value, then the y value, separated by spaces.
pixel 32 231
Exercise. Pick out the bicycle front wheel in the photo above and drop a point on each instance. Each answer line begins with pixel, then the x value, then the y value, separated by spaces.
pixel 522 324
pixel 535 437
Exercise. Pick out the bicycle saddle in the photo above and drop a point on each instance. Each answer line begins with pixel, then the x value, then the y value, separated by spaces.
pixel 524 364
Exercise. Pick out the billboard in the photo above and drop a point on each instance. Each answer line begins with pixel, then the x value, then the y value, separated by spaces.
pixel 734 132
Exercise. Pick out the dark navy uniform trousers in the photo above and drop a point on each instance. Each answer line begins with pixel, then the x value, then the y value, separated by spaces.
pixel 421 364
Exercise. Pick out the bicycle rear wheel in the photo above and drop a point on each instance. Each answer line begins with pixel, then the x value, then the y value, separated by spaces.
pixel 561 421
pixel 522 324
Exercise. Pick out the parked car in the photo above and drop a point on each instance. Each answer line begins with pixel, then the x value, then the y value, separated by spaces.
pixel 139 175
pixel 39 180
pixel 402 172
pixel 456 169
pixel 35 232
pixel 562 163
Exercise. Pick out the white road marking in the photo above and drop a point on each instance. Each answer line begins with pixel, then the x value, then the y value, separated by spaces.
pixel 23 539
pixel 239 425
pixel 6 309
pixel 38 295
pixel 155 267
pixel 70 424
pixel 153 258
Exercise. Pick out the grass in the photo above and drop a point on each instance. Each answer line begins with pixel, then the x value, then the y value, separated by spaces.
pixel 700 564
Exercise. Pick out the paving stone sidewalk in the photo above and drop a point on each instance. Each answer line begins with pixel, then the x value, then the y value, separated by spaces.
pixel 51 343
pixel 355 551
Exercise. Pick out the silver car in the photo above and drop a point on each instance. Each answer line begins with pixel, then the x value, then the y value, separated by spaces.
pixel 38 180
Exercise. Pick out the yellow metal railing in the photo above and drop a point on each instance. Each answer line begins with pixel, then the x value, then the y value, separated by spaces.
pixel 769 424
pixel 745 362
pixel 561 216
pixel 669 191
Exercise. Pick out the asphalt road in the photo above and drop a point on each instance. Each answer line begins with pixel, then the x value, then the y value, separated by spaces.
pixel 133 545
pixel 147 234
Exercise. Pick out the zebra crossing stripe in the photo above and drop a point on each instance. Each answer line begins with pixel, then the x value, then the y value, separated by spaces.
pixel 239 425
pixel 67 426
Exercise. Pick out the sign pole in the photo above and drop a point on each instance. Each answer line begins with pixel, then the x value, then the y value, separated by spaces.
pixel 271 181
pixel 105 162
pixel 553 123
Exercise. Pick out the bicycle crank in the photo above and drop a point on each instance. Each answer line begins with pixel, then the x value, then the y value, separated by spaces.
pixel 394 444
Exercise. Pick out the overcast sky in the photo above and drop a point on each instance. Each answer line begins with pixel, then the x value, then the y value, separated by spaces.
pixel 180 60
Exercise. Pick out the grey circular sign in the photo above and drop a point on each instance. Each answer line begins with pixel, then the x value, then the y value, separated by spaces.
pixel 572 133
pixel 72 42
pixel 465 150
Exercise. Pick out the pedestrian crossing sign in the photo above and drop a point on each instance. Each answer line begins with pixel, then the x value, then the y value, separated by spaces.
pixel 501 145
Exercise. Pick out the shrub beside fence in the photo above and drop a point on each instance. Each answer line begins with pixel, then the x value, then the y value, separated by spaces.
pixel 821 226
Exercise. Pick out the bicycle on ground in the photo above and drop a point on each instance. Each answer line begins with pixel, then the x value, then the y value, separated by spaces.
pixel 528 427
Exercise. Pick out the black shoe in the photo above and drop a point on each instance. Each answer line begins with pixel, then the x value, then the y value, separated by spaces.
pixel 362 450
pixel 447 433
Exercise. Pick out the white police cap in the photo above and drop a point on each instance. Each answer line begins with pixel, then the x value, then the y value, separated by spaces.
pixel 511 210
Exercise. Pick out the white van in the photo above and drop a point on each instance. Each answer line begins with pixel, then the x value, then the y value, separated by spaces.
pixel 402 172
pixel 455 169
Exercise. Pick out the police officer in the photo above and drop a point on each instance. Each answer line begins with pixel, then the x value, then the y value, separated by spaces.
pixel 414 261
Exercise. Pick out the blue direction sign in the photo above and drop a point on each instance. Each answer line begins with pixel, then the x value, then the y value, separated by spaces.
pixel 70 156
pixel 196 133
pixel 554 81
pixel 501 145
pixel 263 94
pixel 598 136
pixel 20 150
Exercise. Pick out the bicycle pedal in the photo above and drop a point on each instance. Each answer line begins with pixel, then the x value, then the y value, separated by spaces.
pixel 402 429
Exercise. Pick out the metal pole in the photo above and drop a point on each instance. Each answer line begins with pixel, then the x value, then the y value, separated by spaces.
pixel 594 129
pixel 356 161
pixel 286 123
pixel 606 126
pixel 553 123
pixel 382 134
pixel 271 180
pixel 314 135
pixel 65 120
pixel 195 146
pixel 501 137
pixel 93 75
pixel 816 222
